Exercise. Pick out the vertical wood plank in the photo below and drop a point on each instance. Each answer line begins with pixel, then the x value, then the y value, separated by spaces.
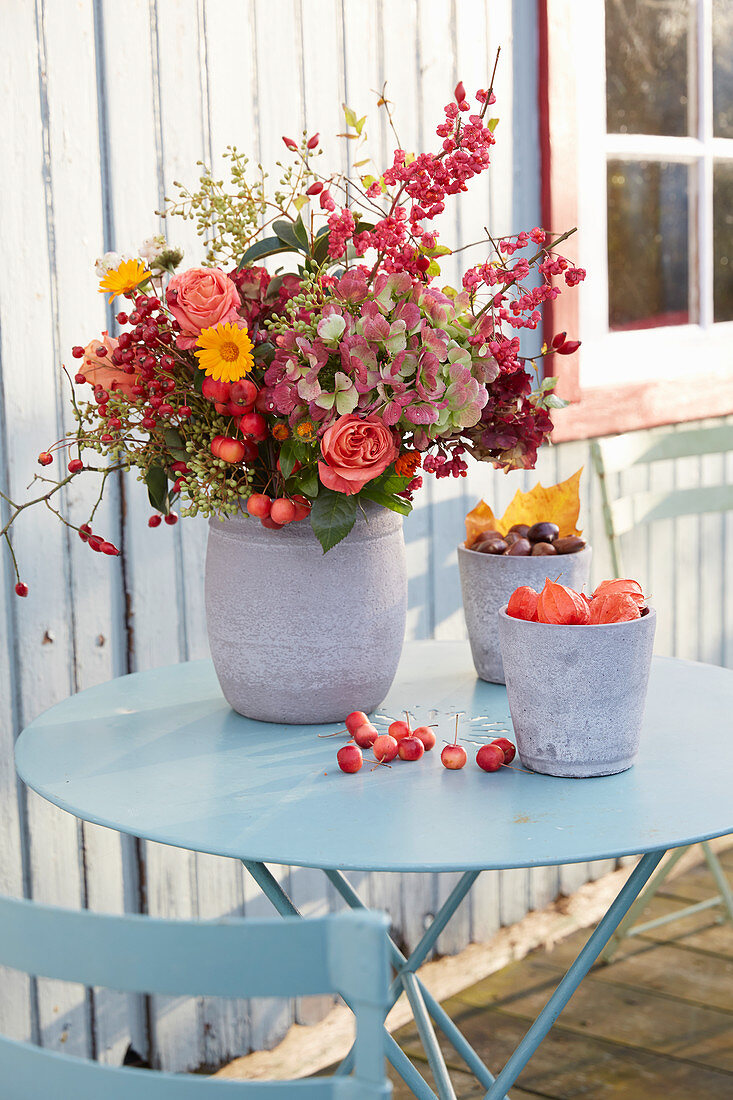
pixel 44 634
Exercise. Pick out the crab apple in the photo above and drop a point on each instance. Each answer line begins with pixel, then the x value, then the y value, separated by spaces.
pixel 365 735
pixel 242 395
pixel 613 607
pixel 75 466
pixel 561 606
pixel 385 748
pixel 259 505
pixel 453 757
pixel 264 402
pixel 155 521
pixel 250 451
pixel 410 748
pixel 399 729
pixel 506 747
pixel 253 424
pixel 523 604
pixel 228 449
pixel 282 511
pixel 45 458
pixel 349 758
pixel 21 589
pixel 624 586
pixel 490 758
pixel 355 719
pixel 302 507
pixel 426 735
pixel 266 521
pixel 215 391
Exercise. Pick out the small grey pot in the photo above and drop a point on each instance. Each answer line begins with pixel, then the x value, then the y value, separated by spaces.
pixel 577 693
pixel 487 582
pixel 298 636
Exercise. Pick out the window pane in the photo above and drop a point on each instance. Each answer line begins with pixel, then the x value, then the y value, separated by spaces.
pixel 723 241
pixel 648 244
pixel 647 66
pixel 723 68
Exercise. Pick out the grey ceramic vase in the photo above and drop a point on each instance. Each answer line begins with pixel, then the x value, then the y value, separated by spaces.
pixel 299 636
pixel 577 693
pixel 487 582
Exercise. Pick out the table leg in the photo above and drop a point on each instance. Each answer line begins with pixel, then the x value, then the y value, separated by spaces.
pixel 441 1018
pixel 639 904
pixel 274 892
pixel 574 976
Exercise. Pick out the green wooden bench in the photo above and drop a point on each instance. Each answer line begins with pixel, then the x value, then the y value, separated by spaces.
pixel 624 514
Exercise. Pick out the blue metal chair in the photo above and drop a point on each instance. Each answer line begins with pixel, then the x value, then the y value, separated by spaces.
pixel 345 954
pixel 621 515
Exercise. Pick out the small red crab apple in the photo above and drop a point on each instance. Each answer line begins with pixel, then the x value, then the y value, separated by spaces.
pixel 453 756
pixel 349 758
pixel 45 458
pixel 355 719
pixel 507 748
pixel 410 748
pixel 490 757
pixel 399 729
pixel 21 589
pixel 365 735
pixel 385 748
pixel 259 505
pixel 282 511
pixel 426 735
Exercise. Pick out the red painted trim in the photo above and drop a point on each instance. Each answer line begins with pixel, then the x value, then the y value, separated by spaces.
pixel 608 410
pixel 558 171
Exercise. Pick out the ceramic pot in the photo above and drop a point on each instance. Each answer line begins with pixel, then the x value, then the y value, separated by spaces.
pixel 577 693
pixel 299 636
pixel 487 582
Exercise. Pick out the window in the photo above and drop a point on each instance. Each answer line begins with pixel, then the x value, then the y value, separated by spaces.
pixel 638 134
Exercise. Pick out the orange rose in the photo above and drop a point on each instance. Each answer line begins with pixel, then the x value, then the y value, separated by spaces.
pixel 200 298
pixel 99 370
pixel 355 450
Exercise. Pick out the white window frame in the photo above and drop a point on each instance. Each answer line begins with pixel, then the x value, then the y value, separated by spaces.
pixel 645 354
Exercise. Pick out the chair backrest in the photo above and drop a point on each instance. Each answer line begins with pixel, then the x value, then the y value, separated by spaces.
pixel 346 954
pixel 621 452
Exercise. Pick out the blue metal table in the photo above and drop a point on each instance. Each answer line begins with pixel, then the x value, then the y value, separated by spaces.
pixel 161 756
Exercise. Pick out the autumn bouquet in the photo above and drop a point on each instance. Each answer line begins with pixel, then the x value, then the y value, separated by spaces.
pixel 333 377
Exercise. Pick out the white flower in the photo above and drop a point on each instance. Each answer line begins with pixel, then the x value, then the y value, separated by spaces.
pixel 109 262
pixel 152 247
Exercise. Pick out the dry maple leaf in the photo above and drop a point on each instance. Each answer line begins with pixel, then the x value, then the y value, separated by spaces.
pixel 558 504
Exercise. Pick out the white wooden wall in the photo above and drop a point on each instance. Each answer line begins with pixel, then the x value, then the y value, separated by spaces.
pixel 105 103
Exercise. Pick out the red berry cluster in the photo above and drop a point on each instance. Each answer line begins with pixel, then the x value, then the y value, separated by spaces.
pixel 447 462
pixel 96 542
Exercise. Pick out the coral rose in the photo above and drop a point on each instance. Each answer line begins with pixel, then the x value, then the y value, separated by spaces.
pixel 99 370
pixel 200 298
pixel 355 450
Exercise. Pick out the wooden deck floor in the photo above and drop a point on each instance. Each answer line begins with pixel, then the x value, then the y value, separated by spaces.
pixel 654 1024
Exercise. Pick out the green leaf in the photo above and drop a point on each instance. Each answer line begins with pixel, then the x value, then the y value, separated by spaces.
pixel 293 234
pixel 287 458
pixel 198 379
pixel 260 249
pixel 492 124
pixel 387 500
pixel 157 483
pixel 350 116
pixel 308 483
pixel 320 249
pixel 300 202
pixel 175 444
pixel 391 483
pixel 332 517
pixel 360 124
pixel 433 268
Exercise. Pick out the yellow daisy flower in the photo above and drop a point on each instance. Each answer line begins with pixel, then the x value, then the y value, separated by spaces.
pixel 226 352
pixel 126 277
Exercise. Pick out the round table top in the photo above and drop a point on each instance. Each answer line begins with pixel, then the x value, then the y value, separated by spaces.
pixel 160 755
